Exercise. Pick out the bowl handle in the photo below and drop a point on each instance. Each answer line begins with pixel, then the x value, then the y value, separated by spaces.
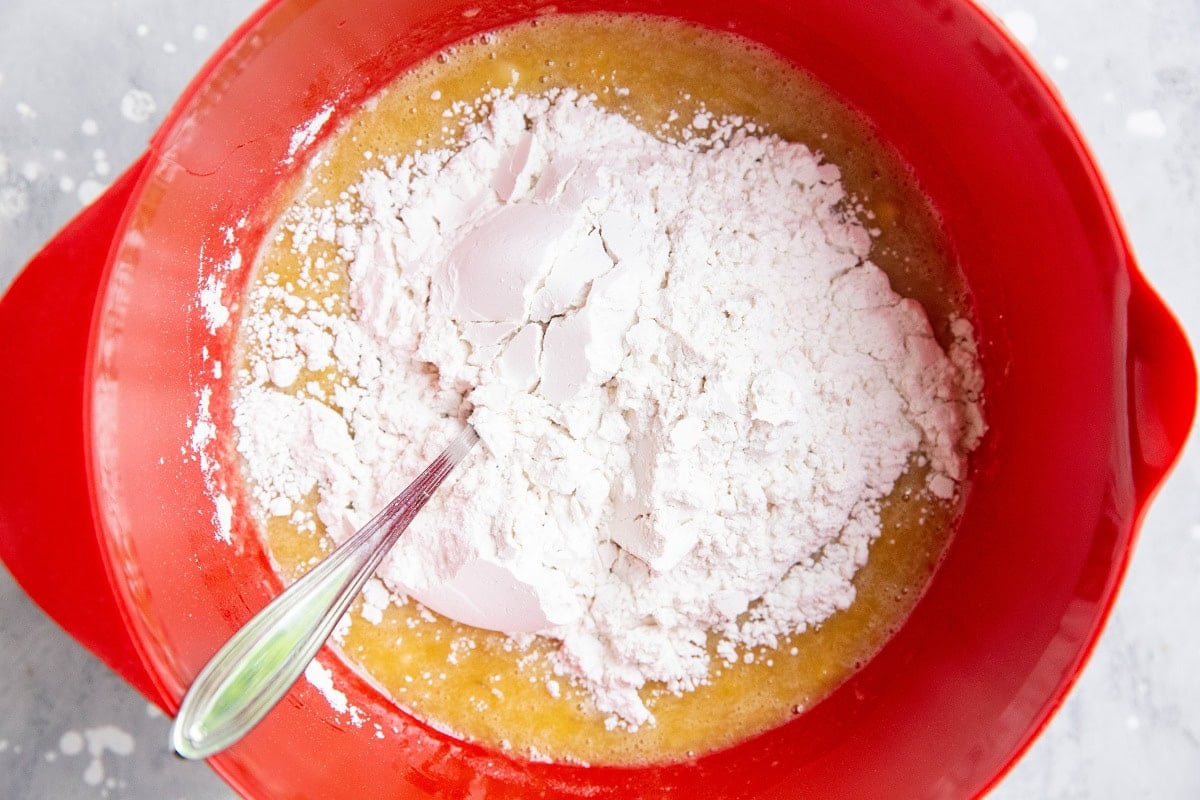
pixel 1162 388
pixel 48 535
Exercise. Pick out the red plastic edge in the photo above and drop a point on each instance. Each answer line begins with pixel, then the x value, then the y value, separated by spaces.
pixel 48 535
pixel 1162 378
pixel 1162 381
pixel 201 79
pixel 1162 394
pixel 1162 389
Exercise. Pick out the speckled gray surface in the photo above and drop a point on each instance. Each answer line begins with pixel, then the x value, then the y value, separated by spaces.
pixel 1130 73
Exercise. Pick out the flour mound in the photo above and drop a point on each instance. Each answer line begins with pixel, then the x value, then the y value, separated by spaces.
pixel 692 386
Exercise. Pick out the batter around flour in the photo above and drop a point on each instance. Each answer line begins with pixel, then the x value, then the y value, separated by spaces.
pixel 714 346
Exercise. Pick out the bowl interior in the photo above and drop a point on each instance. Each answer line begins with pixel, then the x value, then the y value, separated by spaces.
pixel 997 639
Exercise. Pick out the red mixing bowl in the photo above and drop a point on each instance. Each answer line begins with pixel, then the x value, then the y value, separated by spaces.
pixel 1091 389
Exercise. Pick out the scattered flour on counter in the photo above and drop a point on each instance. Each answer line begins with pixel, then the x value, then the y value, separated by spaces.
pixel 71 743
pixel 100 165
pixel 88 190
pixel 1147 123
pixel 14 201
pixel 98 741
pixel 32 171
pixel 138 105
pixel 692 386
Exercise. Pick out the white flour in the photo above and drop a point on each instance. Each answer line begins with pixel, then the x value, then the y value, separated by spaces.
pixel 692 386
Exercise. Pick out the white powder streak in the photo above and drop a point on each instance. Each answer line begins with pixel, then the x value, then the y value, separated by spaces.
pixel 306 134
pixel 138 105
pixel 1147 124
pixel 98 741
pixel 321 679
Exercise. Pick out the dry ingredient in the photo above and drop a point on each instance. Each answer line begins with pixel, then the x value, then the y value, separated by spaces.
pixel 692 385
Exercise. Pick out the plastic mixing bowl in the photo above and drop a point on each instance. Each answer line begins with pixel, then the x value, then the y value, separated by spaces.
pixel 106 521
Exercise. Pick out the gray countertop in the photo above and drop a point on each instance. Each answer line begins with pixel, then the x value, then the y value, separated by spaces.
pixel 82 87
